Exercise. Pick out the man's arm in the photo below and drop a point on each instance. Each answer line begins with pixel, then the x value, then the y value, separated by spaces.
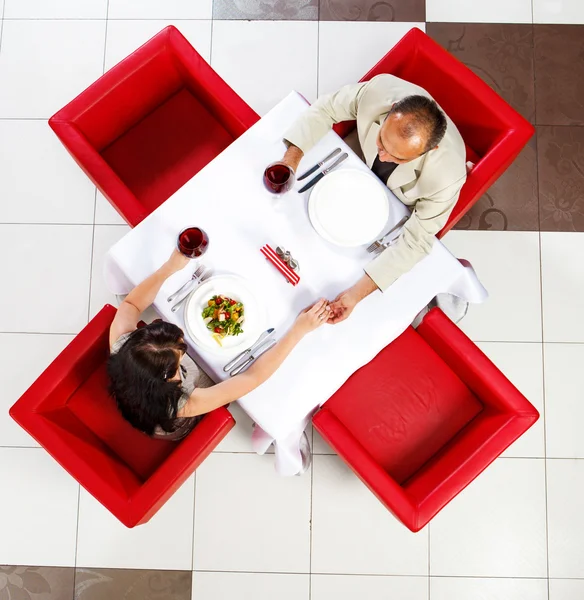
pixel 416 239
pixel 415 242
pixel 318 120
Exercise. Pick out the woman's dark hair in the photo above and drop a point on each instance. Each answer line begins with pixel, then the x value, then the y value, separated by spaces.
pixel 140 372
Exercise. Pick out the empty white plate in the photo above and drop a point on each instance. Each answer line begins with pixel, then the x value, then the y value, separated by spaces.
pixel 234 287
pixel 348 207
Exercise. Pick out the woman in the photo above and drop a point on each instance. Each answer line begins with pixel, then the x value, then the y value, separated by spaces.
pixel 157 387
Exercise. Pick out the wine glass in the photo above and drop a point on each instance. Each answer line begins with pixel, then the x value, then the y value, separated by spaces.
pixel 192 242
pixel 278 178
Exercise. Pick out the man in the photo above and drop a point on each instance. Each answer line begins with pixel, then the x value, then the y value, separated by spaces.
pixel 412 146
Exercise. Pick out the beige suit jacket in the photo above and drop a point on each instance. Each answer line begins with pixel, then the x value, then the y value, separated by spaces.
pixel 430 184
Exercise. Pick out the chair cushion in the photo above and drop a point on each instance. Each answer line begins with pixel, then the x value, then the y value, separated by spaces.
pixel 404 406
pixel 165 149
pixel 92 405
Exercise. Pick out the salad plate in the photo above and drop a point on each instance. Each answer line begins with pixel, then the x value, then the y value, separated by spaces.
pixel 236 289
pixel 348 207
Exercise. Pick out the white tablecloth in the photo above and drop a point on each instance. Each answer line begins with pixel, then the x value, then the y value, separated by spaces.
pixel 227 199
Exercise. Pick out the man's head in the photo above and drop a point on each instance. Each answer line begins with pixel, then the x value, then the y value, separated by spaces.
pixel 413 126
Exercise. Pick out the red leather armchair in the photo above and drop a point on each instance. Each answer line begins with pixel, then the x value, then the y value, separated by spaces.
pixel 69 412
pixel 425 417
pixel 143 129
pixel 494 133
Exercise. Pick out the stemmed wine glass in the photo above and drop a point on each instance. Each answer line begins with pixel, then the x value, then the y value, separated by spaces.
pixel 278 178
pixel 192 242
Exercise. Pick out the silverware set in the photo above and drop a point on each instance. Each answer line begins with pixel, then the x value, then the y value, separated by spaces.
pixel 245 358
pixel 383 243
pixel 201 273
pixel 319 165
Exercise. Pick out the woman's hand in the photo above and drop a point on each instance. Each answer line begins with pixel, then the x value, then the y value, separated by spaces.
pixel 313 317
pixel 177 261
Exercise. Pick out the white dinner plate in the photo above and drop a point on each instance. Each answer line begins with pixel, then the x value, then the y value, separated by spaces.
pixel 348 207
pixel 234 287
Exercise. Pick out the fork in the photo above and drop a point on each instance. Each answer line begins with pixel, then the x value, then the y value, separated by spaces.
pixel 379 244
pixel 203 277
pixel 196 274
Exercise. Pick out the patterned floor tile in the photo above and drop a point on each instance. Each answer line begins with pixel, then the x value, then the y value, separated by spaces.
pixel 561 178
pixel 130 584
pixel 501 54
pixel 559 74
pixel 511 203
pixel 293 10
pixel 36 583
pixel 372 10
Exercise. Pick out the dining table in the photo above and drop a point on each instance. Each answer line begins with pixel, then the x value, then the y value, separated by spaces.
pixel 228 200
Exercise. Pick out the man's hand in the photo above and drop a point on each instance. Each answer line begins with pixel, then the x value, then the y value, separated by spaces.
pixel 346 301
pixel 293 157
pixel 342 306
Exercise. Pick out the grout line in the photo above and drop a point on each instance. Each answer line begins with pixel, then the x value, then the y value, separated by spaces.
pixel 71 333
pixel 311 517
pixel 194 514
pixel 24 19
pixel 37 333
pixel 522 342
pixel 318 55
pixel 211 41
pixel 76 540
pixel 91 260
pixel 384 575
pixel 429 562
pixel 105 41
pixel 2 23
pixel 545 464
pixel 69 224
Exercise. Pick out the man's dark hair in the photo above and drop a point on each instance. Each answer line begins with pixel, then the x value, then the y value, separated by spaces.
pixel 425 118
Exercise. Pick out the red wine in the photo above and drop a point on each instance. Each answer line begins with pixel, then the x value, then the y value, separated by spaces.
pixel 278 178
pixel 193 242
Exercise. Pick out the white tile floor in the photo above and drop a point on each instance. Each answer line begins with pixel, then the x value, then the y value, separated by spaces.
pixel 251 534
pixel 471 11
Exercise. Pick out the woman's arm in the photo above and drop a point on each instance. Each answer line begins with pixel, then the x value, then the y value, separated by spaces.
pixel 204 400
pixel 142 296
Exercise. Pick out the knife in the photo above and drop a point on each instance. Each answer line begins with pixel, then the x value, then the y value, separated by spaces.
pixel 321 175
pixel 320 164
pixel 259 351
pixel 250 350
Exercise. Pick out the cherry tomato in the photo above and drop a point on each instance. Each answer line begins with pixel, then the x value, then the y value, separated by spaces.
pixel 232 302
pixel 218 301
pixel 218 330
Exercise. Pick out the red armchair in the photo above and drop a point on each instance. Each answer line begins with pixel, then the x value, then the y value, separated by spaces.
pixel 143 129
pixel 69 412
pixel 425 417
pixel 494 133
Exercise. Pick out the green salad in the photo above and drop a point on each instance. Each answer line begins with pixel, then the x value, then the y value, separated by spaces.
pixel 223 316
